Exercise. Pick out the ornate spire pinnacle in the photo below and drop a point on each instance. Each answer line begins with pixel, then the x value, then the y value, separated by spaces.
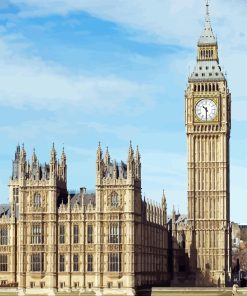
pixel 23 153
pixel 107 157
pixel 131 152
pixel 173 211
pixel 53 153
pixel 115 169
pixel 63 156
pixel 137 164
pixel 138 156
pixel 17 153
pixel 34 157
pixel 99 152
pixel 207 36
pixel 163 199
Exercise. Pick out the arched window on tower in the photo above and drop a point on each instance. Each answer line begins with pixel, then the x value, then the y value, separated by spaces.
pixel 37 200
pixel 114 200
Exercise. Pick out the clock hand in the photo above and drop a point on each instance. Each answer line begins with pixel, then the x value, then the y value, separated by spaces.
pixel 206 109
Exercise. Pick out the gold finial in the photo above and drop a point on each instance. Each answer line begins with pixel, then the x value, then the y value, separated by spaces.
pixel 207 6
pixel 207 10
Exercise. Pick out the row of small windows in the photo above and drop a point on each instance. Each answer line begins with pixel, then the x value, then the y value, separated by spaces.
pixel 113 238
pixel 206 53
pixel 76 234
pixel 209 74
pixel 37 262
pixel 37 234
pixel 76 285
pixel 76 264
pixel 206 87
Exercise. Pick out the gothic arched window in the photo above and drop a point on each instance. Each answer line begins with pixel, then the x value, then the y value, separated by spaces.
pixel 114 200
pixel 37 200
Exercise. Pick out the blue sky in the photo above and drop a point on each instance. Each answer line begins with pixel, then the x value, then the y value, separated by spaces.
pixel 76 72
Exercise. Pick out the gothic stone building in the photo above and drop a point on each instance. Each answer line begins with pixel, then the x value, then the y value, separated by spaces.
pixel 208 126
pixel 107 241
pixel 113 240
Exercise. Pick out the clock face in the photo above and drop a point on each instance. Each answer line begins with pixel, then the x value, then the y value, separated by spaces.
pixel 206 110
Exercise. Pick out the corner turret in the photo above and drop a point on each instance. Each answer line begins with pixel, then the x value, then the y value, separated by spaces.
pixel 16 162
pixel 137 164
pixel 53 162
pixel 164 207
pixel 63 167
pixel 23 163
pixel 131 162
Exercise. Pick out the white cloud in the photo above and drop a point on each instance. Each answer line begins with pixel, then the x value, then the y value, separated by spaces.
pixel 173 21
pixel 45 85
pixel 39 84
pixel 29 130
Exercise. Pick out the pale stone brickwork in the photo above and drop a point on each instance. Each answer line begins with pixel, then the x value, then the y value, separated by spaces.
pixel 111 240
pixel 208 124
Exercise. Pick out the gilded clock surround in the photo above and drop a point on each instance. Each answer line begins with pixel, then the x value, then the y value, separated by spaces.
pixel 208 239
pixel 216 119
pixel 151 249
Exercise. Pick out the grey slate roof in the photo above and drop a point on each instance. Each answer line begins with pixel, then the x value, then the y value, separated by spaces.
pixel 180 219
pixel 4 210
pixel 207 36
pixel 87 199
pixel 207 70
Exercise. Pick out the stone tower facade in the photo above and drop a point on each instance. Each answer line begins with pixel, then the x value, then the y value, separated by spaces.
pixel 208 125
pixel 111 241
pixel 36 191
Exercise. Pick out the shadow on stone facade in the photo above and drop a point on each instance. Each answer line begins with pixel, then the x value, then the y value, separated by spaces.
pixel 182 262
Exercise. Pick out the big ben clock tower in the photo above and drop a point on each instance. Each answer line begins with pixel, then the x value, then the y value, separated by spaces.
pixel 208 124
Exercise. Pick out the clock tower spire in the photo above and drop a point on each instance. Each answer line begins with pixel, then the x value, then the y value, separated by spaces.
pixel 208 125
pixel 207 43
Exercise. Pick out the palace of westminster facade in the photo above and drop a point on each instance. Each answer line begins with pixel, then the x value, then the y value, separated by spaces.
pixel 113 240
